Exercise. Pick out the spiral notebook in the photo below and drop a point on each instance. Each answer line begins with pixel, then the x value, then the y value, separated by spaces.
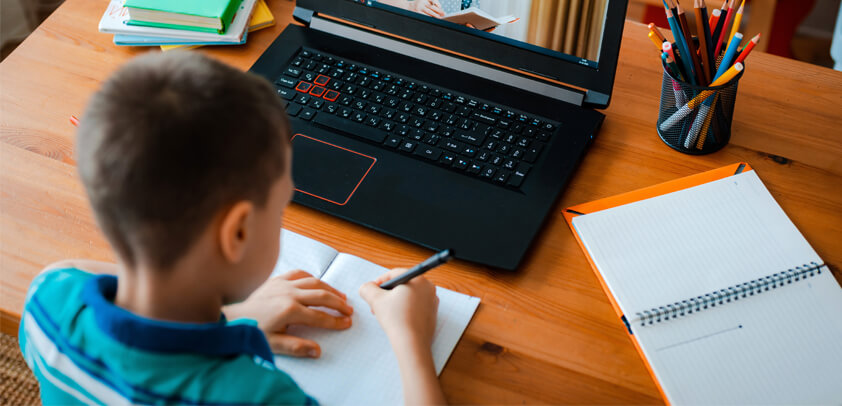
pixel 724 298
pixel 357 366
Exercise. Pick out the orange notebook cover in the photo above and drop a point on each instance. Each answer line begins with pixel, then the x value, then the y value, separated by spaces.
pixel 634 196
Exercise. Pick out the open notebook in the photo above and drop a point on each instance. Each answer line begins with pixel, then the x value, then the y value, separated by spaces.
pixel 725 298
pixel 357 365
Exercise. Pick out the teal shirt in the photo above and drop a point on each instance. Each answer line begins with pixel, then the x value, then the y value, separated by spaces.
pixel 84 349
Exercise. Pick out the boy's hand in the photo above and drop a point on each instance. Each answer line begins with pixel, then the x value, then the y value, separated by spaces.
pixel 408 312
pixel 286 300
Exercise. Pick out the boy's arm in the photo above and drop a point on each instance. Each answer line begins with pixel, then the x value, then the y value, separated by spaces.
pixel 407 314
pixel 87 265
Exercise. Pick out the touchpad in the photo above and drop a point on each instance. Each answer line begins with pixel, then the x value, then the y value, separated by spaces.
pixel 327 171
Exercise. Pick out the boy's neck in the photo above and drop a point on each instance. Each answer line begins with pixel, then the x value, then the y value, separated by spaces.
pixel 177 294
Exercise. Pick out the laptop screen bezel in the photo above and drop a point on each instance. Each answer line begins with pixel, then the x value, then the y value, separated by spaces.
pixel 598 80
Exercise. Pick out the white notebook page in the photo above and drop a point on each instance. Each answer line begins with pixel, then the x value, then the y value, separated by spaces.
pixel 301 253
pixel 684 244
pixel 778 347
pixel 357 365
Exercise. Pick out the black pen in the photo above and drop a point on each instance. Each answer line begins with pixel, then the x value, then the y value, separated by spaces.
pixel 428 264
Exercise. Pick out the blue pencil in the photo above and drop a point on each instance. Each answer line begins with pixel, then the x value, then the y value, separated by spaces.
pixel 682 46
pixel 729 54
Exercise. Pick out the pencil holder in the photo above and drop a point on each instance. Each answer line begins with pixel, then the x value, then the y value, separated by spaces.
pixel 696 119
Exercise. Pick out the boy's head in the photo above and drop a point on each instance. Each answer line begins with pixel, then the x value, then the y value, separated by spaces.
pixel 180 153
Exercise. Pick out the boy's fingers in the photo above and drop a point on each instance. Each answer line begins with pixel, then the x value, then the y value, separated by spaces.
pixel 313 283
pixel 389 275
pixel 370 291
pixel 296 275
pixel 317 318
pixel 324 298
pixel 294 346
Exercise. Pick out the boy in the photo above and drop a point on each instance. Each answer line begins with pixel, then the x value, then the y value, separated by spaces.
pixel 186 163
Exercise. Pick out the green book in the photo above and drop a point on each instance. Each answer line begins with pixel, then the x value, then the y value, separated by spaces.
pixel 196 15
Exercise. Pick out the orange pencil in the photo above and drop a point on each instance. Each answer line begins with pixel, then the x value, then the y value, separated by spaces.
pixel 703 44
pixel 691 46
pixel 657 32
pixel 74 121
pixel 747 49
pixel 714 18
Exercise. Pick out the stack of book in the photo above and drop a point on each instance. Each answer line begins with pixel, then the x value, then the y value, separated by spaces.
pixel 185 23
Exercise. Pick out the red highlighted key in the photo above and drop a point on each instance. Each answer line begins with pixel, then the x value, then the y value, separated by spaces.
pixel 304 87
pixel 331 95
pixel 322 80
pixel 317 91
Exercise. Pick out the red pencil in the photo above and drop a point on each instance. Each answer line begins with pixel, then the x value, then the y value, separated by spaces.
pixel 728 17
pixel 74 121
pixel 748 49
pixel 714 18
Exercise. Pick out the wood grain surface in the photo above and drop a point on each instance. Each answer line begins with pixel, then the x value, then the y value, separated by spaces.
pixel 545 334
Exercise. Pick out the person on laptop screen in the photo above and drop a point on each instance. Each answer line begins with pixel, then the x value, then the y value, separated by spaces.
pixel 528 23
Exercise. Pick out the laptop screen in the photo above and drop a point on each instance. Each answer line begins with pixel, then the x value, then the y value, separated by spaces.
pixel 566 30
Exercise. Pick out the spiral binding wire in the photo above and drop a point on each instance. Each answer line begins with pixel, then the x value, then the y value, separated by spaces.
pixel 731 293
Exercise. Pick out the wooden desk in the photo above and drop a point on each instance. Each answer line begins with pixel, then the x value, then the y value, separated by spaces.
pixel 544 335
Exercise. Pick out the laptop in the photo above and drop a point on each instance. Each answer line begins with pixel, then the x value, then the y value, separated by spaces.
pixel 439 133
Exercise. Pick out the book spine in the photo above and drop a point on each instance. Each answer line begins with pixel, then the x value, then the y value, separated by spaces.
pixel 723 296
pixel 227 16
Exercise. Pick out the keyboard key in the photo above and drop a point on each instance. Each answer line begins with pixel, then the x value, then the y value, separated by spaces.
pixel 359 104
pixel 452 146
pixel 523 142
pixel 358 116
pixel 285 82
pixel 307 113
pixel 548 127
pixel 542 136
pixel 332 108
pixel 317 91
pixel 469 151
pixel 431 139
pixel 502 176
pixel 304 87
pixel 416 134
pixel 447 159
pixel 474 168
pixel 484 118
pixel 294 72
pixel 484 156
pixel 430 153
pixel 346 112
pixel 293 109
pixel 316 104
pixel 351 128
pixel 331 95
pixel 346 100
pixel 517 177
pixel 532 153
pixel 408 146
pixel 488 172
pixel 387 126
pixel 372 121
pixel 286 94
pixel 461 164
pixel 510 164
pixel 469 137
pixel 392 141
pixel 302 99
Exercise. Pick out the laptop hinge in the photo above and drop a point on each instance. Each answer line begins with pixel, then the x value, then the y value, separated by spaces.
pixel 302 15
pixel 426 54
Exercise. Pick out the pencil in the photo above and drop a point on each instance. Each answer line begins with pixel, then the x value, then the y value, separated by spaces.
pixel 736 26
pixel 703 44
pixel 728 17
pixel 730 54
pixel 683 51
pixel 685 110
pixel 667 48
pixel 744 53
pixel 706 125
pixel 428 264
pixel 708 38
pixel 714 19
pixel 720 26
pixel 655 40
pixel 691 47
pixel 654 28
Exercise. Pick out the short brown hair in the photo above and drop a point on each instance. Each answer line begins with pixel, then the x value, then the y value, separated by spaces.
pixel 170 140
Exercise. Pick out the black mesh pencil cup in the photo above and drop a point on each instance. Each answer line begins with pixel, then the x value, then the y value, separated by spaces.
pixel 696 119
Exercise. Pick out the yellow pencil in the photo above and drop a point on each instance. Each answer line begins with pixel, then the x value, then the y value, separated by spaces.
pixel 655 41
pixel 708 117
pixel 734 28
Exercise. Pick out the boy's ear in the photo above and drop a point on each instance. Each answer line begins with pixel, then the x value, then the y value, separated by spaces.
pixel 235 231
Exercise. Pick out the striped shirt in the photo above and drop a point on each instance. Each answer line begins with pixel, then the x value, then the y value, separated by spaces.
pixel 84 349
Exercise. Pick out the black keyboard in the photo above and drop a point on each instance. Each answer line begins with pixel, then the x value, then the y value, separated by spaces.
pixel 471 136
